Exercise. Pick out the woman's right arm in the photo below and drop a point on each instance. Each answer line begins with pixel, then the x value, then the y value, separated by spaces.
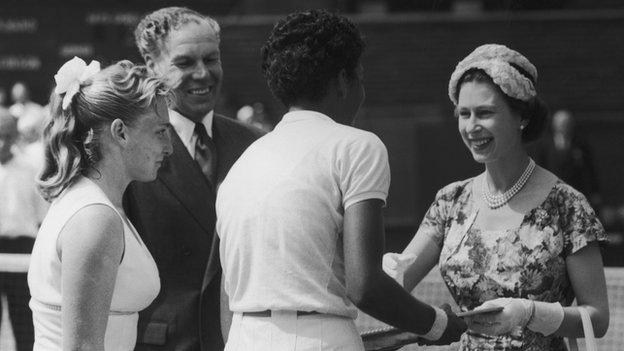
pixel 376 293
pixel 427 253
pixel 91 247
pixel 426 243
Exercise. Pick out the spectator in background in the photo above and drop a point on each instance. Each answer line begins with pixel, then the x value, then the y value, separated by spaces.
pixel 255 115
pixel 175 214
pixel 568 155
pixel 22 105
pixel 30 127
pixel 21 213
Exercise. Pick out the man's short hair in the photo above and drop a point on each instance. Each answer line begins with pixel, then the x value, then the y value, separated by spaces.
pixel 154 28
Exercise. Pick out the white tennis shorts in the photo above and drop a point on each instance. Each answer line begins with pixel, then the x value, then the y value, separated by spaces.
pixel 285 331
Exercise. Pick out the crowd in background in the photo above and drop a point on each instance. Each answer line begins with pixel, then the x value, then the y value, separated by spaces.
pixel 21 209
pixel 30 119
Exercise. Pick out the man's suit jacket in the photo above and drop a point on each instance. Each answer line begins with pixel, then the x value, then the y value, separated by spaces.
pixel 175 216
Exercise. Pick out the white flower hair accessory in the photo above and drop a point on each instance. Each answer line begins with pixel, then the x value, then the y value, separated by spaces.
pixel 507 68
pixel 69 77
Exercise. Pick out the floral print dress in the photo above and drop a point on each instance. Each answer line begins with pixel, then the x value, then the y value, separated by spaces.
pixel 525 262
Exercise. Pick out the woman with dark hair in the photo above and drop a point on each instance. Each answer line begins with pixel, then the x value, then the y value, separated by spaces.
pixel 300 212
pixel 514 236
pixel 90 273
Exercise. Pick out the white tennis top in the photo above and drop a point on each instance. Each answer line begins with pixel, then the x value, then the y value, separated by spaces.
pixel 280 213
pixel 137 284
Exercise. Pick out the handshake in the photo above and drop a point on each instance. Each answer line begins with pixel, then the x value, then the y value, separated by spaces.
pixel 495 317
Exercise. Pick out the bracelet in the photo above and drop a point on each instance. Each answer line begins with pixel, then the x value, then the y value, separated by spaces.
pixel 379 330
pixel 438 326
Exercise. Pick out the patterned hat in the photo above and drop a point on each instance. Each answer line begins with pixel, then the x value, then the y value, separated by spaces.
pixel 511 71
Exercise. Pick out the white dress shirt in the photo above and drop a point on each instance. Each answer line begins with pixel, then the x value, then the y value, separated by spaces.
pixel 186 129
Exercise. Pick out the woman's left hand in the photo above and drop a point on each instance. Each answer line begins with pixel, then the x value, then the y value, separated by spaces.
pixel 515 314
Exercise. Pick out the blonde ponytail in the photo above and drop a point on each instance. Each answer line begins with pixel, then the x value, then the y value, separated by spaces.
pixel 71 136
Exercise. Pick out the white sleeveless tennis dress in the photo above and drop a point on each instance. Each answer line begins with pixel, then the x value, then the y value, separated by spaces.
pixel 137 283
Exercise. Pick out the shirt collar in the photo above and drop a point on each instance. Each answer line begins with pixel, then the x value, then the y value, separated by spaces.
pixel 303 115
pixel 185 127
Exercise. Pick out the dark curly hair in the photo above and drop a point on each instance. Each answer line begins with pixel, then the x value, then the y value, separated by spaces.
pixel 154 28
pixel 534 111
pixel 306 50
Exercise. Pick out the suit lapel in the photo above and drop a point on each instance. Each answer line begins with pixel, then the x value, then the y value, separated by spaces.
pixel 228 144
pixel 185 180
pixel 229 148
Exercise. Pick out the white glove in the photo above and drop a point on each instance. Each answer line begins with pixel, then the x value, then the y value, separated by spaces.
pixel 516 313
pixel 547 317
pixel 395 264
pixel 542 317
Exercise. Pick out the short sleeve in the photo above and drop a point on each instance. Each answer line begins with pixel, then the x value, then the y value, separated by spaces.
pixel 364 171
pixel 579 222
pixel 433 224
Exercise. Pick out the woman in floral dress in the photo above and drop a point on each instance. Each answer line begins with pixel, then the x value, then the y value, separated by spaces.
pixel 515 235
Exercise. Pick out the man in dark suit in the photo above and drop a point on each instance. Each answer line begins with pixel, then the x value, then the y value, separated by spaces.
pixel 175 214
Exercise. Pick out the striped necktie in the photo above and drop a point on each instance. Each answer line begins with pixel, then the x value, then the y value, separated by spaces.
pixel 206 153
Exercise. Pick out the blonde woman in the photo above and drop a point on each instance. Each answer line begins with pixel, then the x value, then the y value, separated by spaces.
pixel 90 272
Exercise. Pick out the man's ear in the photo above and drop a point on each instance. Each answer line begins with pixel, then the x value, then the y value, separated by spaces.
pixel 119 131
pixel 343 82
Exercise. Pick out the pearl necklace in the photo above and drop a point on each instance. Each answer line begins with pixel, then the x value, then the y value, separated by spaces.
pixel 496 201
